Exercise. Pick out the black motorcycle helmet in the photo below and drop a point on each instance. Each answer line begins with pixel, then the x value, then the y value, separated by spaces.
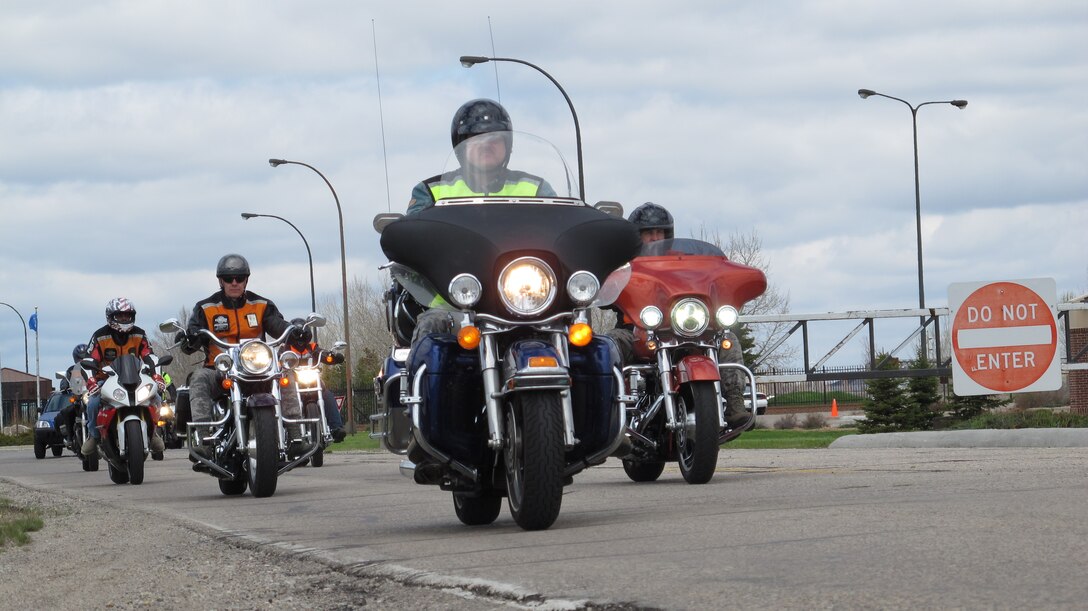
pixel 80 352
pixel 481 116
pixel 232 265
pixel 652 216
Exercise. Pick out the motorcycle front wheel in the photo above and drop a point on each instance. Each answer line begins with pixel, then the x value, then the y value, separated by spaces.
pixel 533 454
pixel 134 447
pixel 697 437
pixel 263 453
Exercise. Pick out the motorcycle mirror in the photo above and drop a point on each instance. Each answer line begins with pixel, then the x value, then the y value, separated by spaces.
pixel 383 220
pixel 315 320
pixel 610 208
pixel 59 375
pixel 340 345
pixel 88 363
pixel 170 325
pixel 165 360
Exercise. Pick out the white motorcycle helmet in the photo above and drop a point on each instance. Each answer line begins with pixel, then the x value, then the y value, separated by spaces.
pixel 120 314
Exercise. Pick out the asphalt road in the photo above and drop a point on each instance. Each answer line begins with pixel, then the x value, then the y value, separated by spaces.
pixel 845 528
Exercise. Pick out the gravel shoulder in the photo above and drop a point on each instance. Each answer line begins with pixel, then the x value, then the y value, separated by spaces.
pixel 95 555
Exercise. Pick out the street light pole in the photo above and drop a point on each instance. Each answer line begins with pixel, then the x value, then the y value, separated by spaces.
pixel 469 61
pixel 26 349
pixel 865 93
pixel 344 284
pixel 313 296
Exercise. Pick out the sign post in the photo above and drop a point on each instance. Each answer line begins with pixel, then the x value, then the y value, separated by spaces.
pixel 1004 337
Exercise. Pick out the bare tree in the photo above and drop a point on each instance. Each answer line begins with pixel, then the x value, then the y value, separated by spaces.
pixel 184 364
pixel 370 337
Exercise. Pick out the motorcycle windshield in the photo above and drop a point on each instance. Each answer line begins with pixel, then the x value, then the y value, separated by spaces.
pixel 508 165
pixel 127 369
pixel 480 236
pixel 669 270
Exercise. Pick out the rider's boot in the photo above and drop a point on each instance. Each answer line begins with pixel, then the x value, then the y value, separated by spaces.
pixel 156 445
pixel 90 447
pixel 338 434
pixel 737 419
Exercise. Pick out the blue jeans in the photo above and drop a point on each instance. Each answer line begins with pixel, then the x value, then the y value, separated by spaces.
pixel 332 414
pixel 92 416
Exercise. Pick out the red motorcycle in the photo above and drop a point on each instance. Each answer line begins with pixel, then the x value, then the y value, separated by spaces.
pixel 683 296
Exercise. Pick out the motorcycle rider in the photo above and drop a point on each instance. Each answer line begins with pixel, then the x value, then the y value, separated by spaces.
pixel 487 128
pixel 120 335
pixel 67 415
pixel 655 223
pixel 332 414
pixel 484 128
pixel 234 314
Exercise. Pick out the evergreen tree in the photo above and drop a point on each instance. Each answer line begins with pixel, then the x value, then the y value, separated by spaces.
pixel 888 403
pixel 747 345
pixel 924 396
pixel 966 408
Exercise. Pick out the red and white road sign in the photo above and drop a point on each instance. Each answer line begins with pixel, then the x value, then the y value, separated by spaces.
pixel 1004 337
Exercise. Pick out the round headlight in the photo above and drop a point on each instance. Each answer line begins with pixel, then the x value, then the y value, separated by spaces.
pixel 223 362
pixel 288 359
pixel 527 286
pixel 166 411
pixel 307 376
pixel 690 317
pixel 651 317
pixel 119 394
pixel 582 287
pixel 256 357
pixel 727 316
pixel 465 290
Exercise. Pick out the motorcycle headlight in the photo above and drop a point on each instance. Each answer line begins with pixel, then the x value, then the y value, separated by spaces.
pixel 465 290
pixel 120 395
pixel 651 317
pixel 144 392
pixel 256 357
pixel 288 359
pixel 690 317
pixel 527 286
pixel 223 362
pixel 165 411
pixel 582 287
pixel 307 377
pixel 727 316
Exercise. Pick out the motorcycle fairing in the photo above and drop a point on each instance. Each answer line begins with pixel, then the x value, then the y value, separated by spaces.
pixel 127 369
pixel 480 238
pixel 697 368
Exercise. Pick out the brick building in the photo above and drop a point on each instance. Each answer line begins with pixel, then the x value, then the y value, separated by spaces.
pixel 1078 339
pixel 19 402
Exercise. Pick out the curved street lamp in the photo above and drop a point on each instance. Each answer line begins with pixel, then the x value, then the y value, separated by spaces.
pixel 313 297
pixel 469 61
pixel 26 350
pixel 865 93
pixel 344 284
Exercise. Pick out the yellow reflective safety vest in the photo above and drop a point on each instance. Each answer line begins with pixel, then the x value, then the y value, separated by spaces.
pixel 517 184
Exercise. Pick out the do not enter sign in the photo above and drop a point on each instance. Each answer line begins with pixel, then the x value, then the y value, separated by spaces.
pixel 1004 337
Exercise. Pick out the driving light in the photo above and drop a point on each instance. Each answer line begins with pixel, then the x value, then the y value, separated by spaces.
pixel 651 317
pixel 289 359
pixel 465 290
pixel 166 411
pixel 582 287
pixel 256 357
pixel 527 286
pixel 223 362
pixel 727 316
pixel 144 392
pixel 690 317
pixel 580 334
pixel 468 337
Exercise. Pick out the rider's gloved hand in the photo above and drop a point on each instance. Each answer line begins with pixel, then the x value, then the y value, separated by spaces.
pixel 92 385
pixel 300 337
pixel 160 382
pixel 188 343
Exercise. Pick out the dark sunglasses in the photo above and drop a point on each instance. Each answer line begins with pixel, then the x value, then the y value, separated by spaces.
pixel 233 279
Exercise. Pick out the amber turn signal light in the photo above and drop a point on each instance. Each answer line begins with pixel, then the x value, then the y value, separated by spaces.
pixel 580 334
pixel 727 344
pixel 226 383
pixel 468 337
pixel 284 381
pixel 543 361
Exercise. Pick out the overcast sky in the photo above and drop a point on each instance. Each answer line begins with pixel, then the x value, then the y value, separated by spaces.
pixel 133 134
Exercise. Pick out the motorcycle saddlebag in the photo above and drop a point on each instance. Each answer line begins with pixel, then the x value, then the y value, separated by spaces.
pixel 452 417
pixel 593 387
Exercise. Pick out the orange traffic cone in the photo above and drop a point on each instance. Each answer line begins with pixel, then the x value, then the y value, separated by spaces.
pixel 834 408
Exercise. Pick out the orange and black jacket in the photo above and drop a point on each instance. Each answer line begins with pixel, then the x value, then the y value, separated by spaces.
pixel 248 317
pixel 107 344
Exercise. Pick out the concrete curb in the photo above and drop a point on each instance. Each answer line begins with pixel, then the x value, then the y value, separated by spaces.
pixel 980 438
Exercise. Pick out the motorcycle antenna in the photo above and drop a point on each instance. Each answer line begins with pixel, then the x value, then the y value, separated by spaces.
pixel 498 94
pixel 381 116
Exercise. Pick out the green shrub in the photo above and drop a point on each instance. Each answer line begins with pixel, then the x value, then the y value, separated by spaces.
pixel 1030 419
pixel 22 439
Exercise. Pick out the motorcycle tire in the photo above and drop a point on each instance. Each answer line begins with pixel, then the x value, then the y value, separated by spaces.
pixel 317 459
pixel 58 450
pixel 643 471
pixel 533 455
pixel 233 487
pixel 476 510
pixel 262 463
pixel 117 476
pixel 134 450
pixel 90 463
pixel 697 440
pixel 39 450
